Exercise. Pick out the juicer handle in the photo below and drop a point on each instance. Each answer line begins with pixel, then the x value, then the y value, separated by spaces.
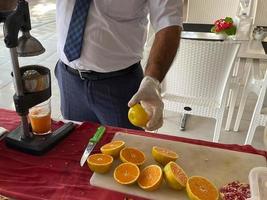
pixel 16 21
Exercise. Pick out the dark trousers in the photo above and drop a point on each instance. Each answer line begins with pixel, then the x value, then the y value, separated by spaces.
pixel 103 100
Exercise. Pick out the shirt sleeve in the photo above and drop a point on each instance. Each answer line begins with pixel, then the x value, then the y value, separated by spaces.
pixel 164 13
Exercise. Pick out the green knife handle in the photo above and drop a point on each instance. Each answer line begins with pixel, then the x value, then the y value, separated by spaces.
pixel 98 134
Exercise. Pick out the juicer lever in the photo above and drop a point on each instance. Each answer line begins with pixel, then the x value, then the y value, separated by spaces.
pixel 16 21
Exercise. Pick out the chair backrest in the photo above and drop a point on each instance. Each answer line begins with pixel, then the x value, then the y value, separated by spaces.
pixel 201 69
pixel 207 11
pixel 260 13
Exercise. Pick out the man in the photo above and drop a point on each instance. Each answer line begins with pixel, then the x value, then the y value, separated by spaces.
pixel 100 44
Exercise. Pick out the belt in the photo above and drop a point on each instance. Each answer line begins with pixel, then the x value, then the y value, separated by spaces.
pixel 92 75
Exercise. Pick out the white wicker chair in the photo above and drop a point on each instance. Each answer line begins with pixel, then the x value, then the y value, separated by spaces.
pixel 254 74
pixel 253 83
pixel 207 11
pixel 256 83
pixel 259 117
pixel 256 70
pixel 199 79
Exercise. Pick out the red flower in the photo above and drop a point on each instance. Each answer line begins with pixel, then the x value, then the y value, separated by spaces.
pixel 225 25
pixel 221 24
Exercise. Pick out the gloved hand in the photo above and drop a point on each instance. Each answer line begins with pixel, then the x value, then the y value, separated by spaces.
pixel 149 96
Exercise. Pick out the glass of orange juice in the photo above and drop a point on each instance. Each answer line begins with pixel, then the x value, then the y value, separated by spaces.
pixel 40 118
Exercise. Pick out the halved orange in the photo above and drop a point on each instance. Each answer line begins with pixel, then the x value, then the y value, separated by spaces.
pixel 200 188
pixel 113 148
pixel 163 155
pixel 100 163
pixel 126 173
pixel 175 176
pixel 133 155
pixel 150 178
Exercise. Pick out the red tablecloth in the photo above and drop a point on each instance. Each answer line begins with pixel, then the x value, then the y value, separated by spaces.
pixel 57 174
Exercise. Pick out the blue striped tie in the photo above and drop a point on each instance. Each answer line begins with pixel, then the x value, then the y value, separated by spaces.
pixel 73 44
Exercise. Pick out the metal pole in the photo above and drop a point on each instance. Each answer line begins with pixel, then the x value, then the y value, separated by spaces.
pixel 19 89
pixel 183 121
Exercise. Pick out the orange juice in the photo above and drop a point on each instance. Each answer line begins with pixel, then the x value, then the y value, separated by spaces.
pixel 40 121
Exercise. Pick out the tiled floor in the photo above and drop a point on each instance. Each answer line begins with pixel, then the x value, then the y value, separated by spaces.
pixel 43 23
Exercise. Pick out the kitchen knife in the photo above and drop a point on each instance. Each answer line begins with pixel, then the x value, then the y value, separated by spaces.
pixel 91 144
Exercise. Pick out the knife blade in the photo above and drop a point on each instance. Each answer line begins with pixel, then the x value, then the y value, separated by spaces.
pixel 91 144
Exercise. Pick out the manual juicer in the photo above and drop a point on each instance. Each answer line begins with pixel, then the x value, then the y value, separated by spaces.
pixel 32 90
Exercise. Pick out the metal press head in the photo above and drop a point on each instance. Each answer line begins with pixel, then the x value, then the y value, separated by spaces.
pixel 29 46
pixel 19 21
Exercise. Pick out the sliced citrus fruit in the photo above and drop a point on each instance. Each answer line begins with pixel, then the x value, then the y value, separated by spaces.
pixel 126 173
pixel 138 116
pixel 175 176
pixel 113 148
pixel 132 155
pixel 163 155
pixel 150 178
pixel 100 163
pixel 200 188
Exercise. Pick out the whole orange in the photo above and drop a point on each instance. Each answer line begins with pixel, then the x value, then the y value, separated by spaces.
pixel 138 116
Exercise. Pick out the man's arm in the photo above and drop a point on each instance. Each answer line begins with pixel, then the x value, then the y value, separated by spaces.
pixel 161 56
pixel 166 18
pixel 163 51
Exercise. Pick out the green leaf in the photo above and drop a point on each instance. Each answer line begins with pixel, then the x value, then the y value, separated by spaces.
pixel 228 19
pixel 213 29
pixel 231 31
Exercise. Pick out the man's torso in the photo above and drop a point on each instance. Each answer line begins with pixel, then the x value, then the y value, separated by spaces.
pixel 114 36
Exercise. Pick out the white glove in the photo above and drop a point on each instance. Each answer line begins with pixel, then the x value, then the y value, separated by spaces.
pixel 149 96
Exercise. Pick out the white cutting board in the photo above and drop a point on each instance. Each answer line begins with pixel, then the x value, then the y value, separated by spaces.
pixel 219 165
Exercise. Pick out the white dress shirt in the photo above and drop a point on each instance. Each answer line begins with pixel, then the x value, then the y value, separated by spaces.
pixel 116 30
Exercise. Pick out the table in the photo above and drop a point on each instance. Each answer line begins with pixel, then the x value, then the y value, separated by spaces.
pixel 57 174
